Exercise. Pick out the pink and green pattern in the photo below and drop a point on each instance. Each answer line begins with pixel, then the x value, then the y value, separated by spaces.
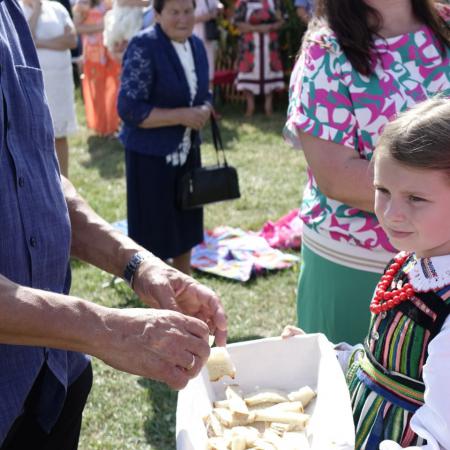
pixel 331 100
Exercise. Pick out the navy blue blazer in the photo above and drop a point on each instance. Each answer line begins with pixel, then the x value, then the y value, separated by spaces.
pixel 153 77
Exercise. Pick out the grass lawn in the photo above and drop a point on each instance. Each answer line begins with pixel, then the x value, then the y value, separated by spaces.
pixel 129 412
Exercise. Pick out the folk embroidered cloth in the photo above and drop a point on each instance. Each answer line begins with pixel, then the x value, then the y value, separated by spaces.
pixel 386 386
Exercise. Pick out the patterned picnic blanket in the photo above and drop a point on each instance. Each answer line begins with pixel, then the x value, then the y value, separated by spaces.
pixel 237 254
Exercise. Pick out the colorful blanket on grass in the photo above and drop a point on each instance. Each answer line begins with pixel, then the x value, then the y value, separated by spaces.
pixel 237 254
pixel 286 232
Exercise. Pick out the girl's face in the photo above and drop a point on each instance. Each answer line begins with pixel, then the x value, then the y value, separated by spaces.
pixel 177 19
pixel 413 206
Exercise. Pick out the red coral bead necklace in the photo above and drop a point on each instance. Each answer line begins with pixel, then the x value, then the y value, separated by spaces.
pixel 384 300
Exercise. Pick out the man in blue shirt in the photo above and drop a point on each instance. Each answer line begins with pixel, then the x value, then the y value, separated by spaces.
pixel 44 332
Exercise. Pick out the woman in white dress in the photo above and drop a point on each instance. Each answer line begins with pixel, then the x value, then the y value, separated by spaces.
pixel 54 35
pixel 204 11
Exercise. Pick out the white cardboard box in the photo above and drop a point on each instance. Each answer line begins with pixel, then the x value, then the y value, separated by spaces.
pixel 279 364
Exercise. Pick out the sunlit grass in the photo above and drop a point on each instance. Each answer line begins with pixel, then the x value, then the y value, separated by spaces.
pixel 128 412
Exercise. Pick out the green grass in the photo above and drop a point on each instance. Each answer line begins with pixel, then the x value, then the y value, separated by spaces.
pixel 128 412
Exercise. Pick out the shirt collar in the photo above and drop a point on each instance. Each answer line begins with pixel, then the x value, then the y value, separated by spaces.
pixel 429 274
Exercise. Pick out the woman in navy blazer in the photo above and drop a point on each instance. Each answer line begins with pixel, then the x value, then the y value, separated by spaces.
pixel 164 101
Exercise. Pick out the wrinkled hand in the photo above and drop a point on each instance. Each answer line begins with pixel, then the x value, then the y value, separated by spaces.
pixel 196 116
pixel 156 344
pixel 161 286
pixel 290 330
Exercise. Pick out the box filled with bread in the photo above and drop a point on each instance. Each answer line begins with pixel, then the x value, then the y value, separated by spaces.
pixel 267 394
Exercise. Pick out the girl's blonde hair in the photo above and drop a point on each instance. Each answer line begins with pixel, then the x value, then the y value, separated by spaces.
pixel 420 136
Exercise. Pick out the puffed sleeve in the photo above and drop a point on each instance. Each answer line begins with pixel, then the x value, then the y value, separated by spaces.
pixel 63 15
pixel 319 98
pixel 134 102
pixel 432 420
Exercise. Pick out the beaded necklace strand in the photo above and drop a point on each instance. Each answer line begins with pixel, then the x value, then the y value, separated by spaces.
pixel 385 300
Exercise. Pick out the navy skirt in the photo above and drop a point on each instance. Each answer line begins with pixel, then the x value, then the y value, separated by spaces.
pixel 154 221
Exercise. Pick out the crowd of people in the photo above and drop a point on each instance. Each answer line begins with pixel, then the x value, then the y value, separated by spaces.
pixel 368 106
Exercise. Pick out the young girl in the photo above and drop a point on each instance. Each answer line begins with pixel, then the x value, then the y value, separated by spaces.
pixel 399 388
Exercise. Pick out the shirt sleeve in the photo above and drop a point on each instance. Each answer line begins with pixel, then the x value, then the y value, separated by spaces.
pixel 134 101
pixel 432 420
pixel 63 15
pixel 201 7
pixel 319 98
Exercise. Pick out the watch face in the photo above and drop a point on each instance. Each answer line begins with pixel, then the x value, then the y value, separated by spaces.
pixel 132 265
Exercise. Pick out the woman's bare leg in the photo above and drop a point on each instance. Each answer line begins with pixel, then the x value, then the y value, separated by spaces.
pixel 250 99
pixel 183 262
pixel 268 104
pixel 62 152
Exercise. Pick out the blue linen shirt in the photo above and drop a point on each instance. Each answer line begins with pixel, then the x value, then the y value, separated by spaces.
pixel 34 221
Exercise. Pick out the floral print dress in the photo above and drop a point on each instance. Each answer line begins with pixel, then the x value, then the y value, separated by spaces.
pixel 330 100
pixel 259 64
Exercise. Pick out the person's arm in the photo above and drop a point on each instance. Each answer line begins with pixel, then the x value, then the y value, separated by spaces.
pixel 157 284
pixel 154 344
pixel 66 41
pixel 36 8
pixel 339 171
pixel 80 13
pixel 88 28
pixel 193 117
pixel 239 19
pixel 432 420
pixel 322 122
pixel 245 27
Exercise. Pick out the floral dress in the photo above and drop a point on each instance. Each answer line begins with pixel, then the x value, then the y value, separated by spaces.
pixel 101 75
pixel 259 64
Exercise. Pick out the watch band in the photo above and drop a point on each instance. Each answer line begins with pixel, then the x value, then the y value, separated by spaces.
pixel 133 264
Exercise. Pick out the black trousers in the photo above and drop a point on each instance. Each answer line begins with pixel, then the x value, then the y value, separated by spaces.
pixel 26 434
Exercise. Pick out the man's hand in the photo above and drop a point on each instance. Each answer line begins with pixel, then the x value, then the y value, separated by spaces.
pixel 161 286
pixel 156 344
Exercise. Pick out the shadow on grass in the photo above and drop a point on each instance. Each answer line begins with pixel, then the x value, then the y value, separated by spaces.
pixel 233 117
pixel 106 154
pixel 159 428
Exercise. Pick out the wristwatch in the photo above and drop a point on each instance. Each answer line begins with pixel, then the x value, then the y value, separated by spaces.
pixel 132 266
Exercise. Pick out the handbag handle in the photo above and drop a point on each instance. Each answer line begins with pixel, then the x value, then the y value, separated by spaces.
pixel 217 140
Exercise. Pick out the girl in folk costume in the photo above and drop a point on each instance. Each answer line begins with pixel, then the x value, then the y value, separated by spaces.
pixel 259 63
pixel 399 383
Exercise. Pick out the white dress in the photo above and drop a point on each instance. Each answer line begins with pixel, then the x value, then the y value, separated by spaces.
pixel 199 30
pixel 184 52
pixel 56 67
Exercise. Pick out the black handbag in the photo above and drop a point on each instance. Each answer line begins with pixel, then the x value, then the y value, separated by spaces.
pixel 204 185
pixel 212 32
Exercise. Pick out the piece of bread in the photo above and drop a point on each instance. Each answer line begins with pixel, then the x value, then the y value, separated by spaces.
pixel 219 364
